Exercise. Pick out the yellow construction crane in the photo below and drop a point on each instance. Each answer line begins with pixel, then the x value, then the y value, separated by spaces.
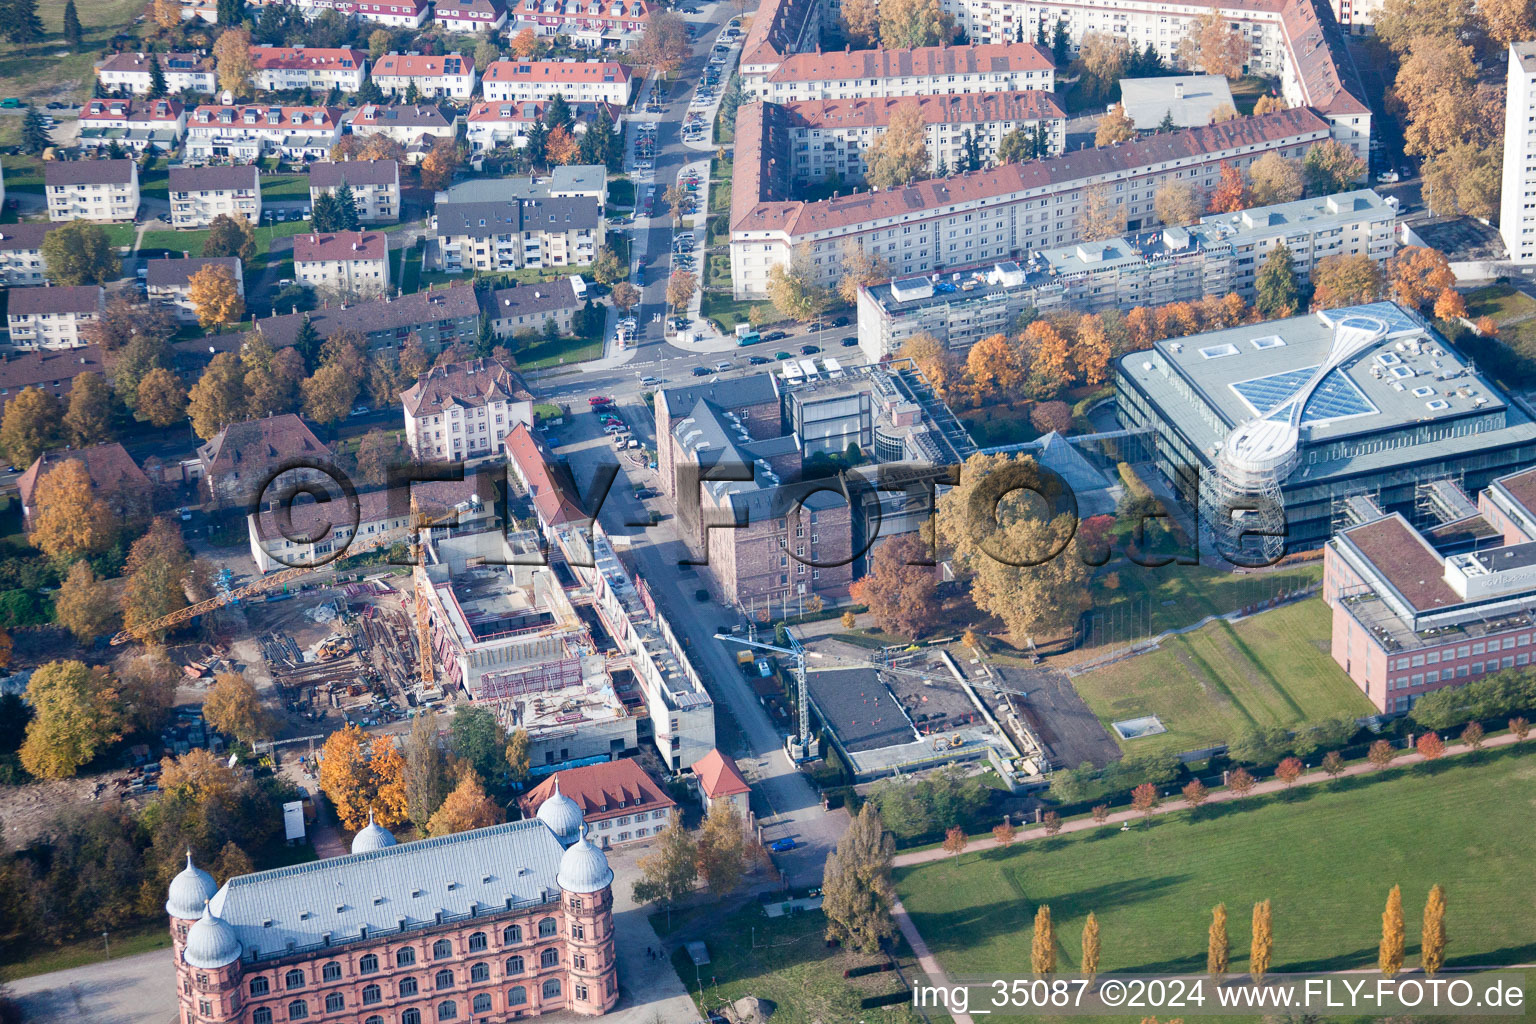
pixel 418 523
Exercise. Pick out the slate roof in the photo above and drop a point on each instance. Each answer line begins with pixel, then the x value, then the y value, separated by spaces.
pixel 530 299
pixel 87 172
pixel 485 219
pixel 397 115
pixel 471 383
pixel 25 236
pixel 326 174
pixel 58 298
pixel 254 447
pixel 729 393
pixel 173 273
pixel 382 314
pixel 214 178
pixel 483 870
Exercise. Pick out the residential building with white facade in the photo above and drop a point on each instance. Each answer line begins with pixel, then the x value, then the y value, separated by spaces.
pixel 100 190
pixel 829 137
pixel 416 126
pixel 979 217
pixel 451 75
pixel 925 71
pixel 590 24
pixel 528 307
pixel 348 264
pixel 167 282
pixel 1214 258
pixel 507 123
pixel 502 224
pixel 470 16
pixel 462 411
pixel 54 316
pixel 199 194
pixel 129 72
pixel 393 13
pixel 375 186
pixel 244 133
pixel 134 125
pixel 579 81
pixel 21 253
pixel 309 67
pixel 1517 206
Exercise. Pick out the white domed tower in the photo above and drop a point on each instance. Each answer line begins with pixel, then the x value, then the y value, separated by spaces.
pixel 586 889
pixel 208 972
pixel 372 837
pixel 562 815
pixel 185 901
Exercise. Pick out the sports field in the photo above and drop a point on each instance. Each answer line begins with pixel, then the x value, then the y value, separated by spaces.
pixel 1209 685
pixel 1325 855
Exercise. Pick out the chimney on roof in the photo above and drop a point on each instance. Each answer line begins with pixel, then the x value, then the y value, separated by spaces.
pixel 1178 90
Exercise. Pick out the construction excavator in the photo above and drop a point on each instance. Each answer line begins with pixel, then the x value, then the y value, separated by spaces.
pixel 418 523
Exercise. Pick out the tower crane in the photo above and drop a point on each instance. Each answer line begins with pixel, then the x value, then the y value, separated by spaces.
pixel 803 746
pixel 418 523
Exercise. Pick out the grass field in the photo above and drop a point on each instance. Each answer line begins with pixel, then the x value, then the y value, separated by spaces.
pixel 1502 302
pixel 727 312
pixel 785 960
pixel 1207 686
pixel 543 354
pixel 1325 855
pixel 129 942
pixel 285 186
pixel 54 70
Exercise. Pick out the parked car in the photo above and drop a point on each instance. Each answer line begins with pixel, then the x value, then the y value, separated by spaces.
pixel 841 321
pixel 776 336
pixel 783 845
pixel 781 356
pixel 809 350
pixel 701 371
pixel 850 342
pixel 756 360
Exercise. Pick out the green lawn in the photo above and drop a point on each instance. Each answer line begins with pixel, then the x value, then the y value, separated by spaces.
pixel 1246 92
pixel 1134 601
pixel 621 193
pixel 121 235
pixel 53 69
pixel 726 312
pixel 1207 686
pixel 191 241
pixel 543 354
pixel 285 186
pixel 717 271
pixel 410 274
pixel 1325 855
pixel 1501 302
pixel 785 960
pixel 47 959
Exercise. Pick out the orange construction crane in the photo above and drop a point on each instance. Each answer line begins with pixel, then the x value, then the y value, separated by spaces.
pixel 418 523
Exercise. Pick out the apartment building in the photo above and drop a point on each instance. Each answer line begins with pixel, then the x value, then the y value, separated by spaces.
pixel 168 282
pixel 1298 41
pixel 245 133
pixel 510 223
pixel 242 459
pixel 52 372
pixel 391 13
pixel 184 72
pixel 618 800
pixel 508 123
pixel 134 125
pixel 349 265
pixel 21 254
pixel 114 478
pixel 828 138
pixel 416 126
pixel 375 186
pixel 1211 259
pixel 54 316
pixel 924 71
pixel 463 410
pixel 451 75
pixel 979 217
pixel 1417 609
pixel 439 318
pixel 199 194
pixel 528 307
pixel 309 67
pixel 99 190
pixel 579 81
pixel 590 24
pixel 470 16
pixel 1517 208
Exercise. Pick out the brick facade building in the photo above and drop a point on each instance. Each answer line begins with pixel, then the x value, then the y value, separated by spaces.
pixel 490 925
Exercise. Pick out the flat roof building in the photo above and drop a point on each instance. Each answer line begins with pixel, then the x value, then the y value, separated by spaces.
pixel 1189 100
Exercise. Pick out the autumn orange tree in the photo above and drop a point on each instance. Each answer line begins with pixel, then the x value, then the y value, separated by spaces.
pixel 1144 799
pixel 362 774
pixel 1240 781
pixel 69 519
pixel 1345 279
pixel 526 44
pixel 466 807
pixel 1004 834
pixel 1231 194
pixel 1288 771
pixel 955 840
pixel 994 370
pixel 215 295
pixel 438 165
pixel 1417 275
pixel 1430 746
pixel 900 588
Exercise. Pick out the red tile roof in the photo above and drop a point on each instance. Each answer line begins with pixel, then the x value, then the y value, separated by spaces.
pixel 342 245
pixel 472 383
pixel 950 108
pixel 719 776
pixel 550 486
pixel 608 790
pixel 556 71
pixel 449 65
pixel 109 466
pixel 315 58
pixel 131 110
pixel 926 61
pixel 528 111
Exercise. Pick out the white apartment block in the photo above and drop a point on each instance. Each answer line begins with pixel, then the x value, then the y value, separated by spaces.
pixel 470 16
pixel 926 71
pixel 351 265
pixel 168 282
pixel 133 124
pixel 1517 207
pixel 129 72
pixel 102 190
pixel 375 186
pixel 829 137
pixel 309 67
pixel 54 316
pixel 244 133
pixel 404 14
pixel 980 217
pixel 590 24
pixel 416 126
pixel 21 253
pixel 451 75
pixel 199 194
pixel 1298 41
pixel 464 410
pixel 579 81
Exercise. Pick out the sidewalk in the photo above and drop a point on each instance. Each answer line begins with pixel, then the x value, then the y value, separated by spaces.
pixel 1173 802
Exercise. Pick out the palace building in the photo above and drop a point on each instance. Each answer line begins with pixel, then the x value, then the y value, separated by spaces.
pixel 491 925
